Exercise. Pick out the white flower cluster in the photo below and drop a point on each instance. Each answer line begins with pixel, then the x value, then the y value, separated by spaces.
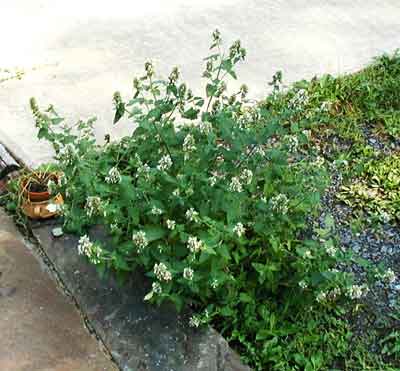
pixel 385 217
pixel 149 67
pixel 89 249
pixel 188 145
pixel 331 250
pixel 188 274
pixel 303 284
pixel 62 180
pixel 213 180
pixel 93 206
pixel 165 163
pixel 214 283
pixel 192 215
pixel 51 186
pixel 307 254
pixel 292 142
pixel 247 176
pixel 326 106
pixel 84 245
pixel 155 289
pixel 140 240
pixel 194 244
pixel 156 211
pixel 331 295
pixel 319 161
pixel 389 276
pixel 279 203
pixel 334 293
pixel 195 321
pixel 67 154
pixel 235 185
pixel 114 176
pixel 189 191
pixel 357 291
pixel 215 177
pixel 205 127
pixel 300 99
pixel 245 118
pixel 239 229
pixel 143 170
pixel 219 160
pixel 321 297
pixel 259 150
pixel 171 224
pixel 162 273
pixel 174 75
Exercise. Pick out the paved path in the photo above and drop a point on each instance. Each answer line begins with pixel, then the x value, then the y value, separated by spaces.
pixel 40 328
pixel 76 53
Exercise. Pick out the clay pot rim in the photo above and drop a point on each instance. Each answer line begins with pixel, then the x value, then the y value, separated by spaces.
pixel 25 180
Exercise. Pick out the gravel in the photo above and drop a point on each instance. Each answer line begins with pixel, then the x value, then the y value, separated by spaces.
pixel 378 244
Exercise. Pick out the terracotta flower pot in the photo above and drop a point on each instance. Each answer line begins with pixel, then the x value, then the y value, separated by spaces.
pixel 36 196
pixel 41 209
pixel 39 204
pixel 39 196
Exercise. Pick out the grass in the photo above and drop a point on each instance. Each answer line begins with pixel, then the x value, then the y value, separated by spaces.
pixel 354 121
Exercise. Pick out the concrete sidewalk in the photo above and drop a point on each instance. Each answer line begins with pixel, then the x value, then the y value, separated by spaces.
pixel 77 53
pixel 41 330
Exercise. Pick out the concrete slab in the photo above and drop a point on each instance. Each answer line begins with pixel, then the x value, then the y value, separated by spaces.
pixel 40 328
pixel 76 53
pixel 140 336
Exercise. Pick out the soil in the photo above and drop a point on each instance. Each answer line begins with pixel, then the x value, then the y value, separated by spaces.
pixel 36 187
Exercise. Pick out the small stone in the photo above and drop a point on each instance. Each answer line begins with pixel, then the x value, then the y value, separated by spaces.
pixel 57 232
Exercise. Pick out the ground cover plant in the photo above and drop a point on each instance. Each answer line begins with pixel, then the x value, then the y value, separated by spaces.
pixel 347 119
pixel 218 200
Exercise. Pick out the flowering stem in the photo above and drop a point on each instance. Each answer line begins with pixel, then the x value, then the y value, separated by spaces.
pixel 218 73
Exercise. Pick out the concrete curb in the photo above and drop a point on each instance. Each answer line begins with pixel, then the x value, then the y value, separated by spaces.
pixel 138 335
pixel 40 328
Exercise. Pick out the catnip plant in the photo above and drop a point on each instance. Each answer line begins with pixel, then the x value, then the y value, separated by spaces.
pixel 212 196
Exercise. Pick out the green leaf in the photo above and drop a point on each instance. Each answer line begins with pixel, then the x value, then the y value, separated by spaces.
pixel 154 232
pixel 119 112
pixel 199 102
pixel 177 300
pixel 329 222
pixel 191 114
pixel 57 120
pixel 261 270
pixel 211 89
pixel 245 298
pixel 120 263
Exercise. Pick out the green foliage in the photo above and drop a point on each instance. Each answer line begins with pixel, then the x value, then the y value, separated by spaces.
pixel 213 197
pixel 377 191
